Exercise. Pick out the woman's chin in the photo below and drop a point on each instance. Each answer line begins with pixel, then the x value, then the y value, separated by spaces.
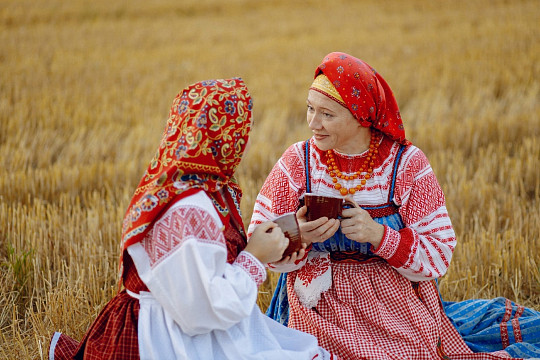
pixel 322 145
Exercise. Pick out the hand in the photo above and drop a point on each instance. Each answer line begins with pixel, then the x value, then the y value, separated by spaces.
pixel 317 230
pixel 358 225
pixel 293 258
pixel 267 243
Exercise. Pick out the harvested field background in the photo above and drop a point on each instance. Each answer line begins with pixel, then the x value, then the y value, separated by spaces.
pixel 85 89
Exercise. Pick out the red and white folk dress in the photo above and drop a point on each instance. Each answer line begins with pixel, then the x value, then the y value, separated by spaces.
pixel 360 302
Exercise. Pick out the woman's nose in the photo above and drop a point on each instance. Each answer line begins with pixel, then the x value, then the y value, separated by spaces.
pixel 314 122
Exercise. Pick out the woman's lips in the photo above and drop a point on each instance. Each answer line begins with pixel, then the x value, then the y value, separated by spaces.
pixel 319 137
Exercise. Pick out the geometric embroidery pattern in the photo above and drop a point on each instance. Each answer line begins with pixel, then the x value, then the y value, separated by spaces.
pixel 390 244
pixel 419 176
pixel 251 266
pixel 288 171
pixel 504 330
pixel 515 324
pixel 177 225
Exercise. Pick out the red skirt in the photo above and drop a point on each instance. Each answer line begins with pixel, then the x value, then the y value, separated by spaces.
pixel 373 312
pixel 112 336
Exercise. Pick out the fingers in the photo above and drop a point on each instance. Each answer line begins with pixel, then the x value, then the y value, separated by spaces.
pixel 291 259
pixel 345 223
pixel 327 230
pixel 353 220
pixel 267 243
pixel 312 225
pixel 295 256
pixel 267 226
pixel 276 244
pixel 301 213
pixel 284 261
pixel 349 213
pixel 278 238
pixel 285 242
pixel 349 200
pixel 322 232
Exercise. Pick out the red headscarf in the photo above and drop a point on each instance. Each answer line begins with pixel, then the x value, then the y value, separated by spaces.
pixel 365 93
pixel 201 147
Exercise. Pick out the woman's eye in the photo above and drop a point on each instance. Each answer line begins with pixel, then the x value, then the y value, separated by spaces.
pixel 327 115
pixel 310 108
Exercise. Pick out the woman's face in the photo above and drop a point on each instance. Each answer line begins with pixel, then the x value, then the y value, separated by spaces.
pixel 333 125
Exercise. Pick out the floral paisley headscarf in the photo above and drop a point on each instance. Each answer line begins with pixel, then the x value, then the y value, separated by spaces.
pixel 364 92
pixel 201 147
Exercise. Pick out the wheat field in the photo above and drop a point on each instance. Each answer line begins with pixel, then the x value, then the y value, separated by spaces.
pixel 85 89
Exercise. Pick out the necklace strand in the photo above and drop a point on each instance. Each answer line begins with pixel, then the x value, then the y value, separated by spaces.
pixel 364 173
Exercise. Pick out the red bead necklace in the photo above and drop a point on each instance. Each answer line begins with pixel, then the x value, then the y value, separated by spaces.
pixel 364 173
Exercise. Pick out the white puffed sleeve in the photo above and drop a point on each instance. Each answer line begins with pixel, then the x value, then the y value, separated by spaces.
pixel 183 262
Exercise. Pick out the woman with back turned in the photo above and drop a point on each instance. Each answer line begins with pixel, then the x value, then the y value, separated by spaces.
pixel 190 279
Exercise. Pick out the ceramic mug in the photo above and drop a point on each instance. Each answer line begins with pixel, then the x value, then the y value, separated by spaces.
pixel 319 206
pixel 289 226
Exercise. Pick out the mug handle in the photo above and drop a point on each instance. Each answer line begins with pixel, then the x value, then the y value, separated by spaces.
pixel 347 204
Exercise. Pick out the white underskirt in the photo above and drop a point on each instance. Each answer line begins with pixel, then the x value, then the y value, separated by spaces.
pixel 257 337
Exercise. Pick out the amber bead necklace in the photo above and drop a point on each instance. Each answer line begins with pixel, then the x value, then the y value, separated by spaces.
pixel 364 173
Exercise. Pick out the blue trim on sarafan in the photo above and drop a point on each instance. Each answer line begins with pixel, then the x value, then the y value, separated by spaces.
pixel 308 182
pixel 279 305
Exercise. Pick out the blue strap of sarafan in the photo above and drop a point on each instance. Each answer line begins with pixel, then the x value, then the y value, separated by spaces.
pixel 394 173
pixel 308 185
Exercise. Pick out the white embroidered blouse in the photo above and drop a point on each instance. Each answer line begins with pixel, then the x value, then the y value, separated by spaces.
pixel 420 251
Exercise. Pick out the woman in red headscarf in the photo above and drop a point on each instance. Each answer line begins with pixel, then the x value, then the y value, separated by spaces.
pixel 190 281
pixel 366 285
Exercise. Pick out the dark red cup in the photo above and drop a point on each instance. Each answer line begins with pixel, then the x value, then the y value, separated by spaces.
pixel 319 206
pixel 289 226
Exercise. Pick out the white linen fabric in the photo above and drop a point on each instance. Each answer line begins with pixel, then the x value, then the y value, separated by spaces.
pixel 199 306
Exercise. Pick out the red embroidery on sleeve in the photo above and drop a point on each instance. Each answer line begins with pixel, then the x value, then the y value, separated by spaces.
pixel 403 252
pixel 251 266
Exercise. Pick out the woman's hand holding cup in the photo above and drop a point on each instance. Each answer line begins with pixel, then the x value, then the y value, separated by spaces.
pixel 267 243
pixel 357 225
pixel 317 230
pixel 293 258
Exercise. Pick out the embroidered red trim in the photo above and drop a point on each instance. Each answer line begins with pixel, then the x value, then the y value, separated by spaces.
pixel 504 324
pixel 401 256
pixel 382 212
pixel 515 324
